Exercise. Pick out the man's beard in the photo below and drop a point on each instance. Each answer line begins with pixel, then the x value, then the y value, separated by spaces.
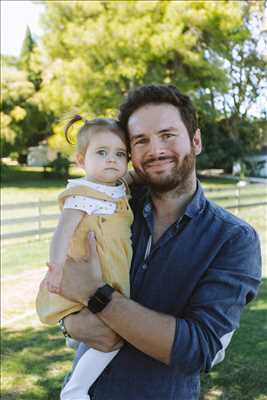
pixel 179 177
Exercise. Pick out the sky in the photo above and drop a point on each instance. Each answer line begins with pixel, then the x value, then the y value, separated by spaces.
pixel 15 16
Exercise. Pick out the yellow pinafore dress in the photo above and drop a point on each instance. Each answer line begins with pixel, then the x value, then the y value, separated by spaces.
pixel 113 242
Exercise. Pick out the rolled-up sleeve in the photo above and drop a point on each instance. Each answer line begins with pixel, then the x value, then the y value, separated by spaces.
pixel 214 310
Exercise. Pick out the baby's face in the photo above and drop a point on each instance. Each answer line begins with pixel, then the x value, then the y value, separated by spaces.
pixel 105 160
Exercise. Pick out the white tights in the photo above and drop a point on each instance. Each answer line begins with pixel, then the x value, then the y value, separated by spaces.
pixel 89 368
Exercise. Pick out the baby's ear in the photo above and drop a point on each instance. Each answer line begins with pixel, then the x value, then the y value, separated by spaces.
pixel 80 160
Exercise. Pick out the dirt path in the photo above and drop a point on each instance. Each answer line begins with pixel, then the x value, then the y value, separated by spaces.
pixel 18 293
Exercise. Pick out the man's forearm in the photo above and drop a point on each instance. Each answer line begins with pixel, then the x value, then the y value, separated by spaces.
pixel 149 331
pixel 88 328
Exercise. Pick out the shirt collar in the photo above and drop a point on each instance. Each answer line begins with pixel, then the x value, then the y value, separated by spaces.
pixel 195 206
pixel 113 191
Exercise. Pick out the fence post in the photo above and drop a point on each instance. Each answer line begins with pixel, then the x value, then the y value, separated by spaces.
pixel 240 184
pixel 237 195
pixel 39 218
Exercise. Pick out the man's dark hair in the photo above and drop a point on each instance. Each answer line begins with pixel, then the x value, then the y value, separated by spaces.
pixel 157 94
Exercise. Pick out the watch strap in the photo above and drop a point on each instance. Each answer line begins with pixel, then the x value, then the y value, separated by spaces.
pixel 63 328
pixel 100 299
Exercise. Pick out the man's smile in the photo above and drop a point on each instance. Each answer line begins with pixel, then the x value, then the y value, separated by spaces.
pixel 159 163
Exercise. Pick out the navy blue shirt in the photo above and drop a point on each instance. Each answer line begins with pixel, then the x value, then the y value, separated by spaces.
pixel 202 271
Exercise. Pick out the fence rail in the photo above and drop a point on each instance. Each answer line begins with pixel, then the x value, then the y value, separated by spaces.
pixel 31 204
pixel 39 218
pixel 32 232
pixel 236 195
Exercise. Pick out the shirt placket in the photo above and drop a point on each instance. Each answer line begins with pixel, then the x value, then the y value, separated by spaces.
pixel 151 251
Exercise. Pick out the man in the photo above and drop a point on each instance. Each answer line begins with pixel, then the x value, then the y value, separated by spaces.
pixel 195 265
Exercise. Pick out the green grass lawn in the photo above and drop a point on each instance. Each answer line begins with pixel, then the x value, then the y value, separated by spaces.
pixel 35 360
pixel 21 184
pixel 29 184
pixel 24 184
pixel 34 357
pixel 24 257
pixel 242 375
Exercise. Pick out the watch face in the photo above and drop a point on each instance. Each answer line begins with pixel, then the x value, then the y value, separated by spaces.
pixel 101 298
pixel 95 306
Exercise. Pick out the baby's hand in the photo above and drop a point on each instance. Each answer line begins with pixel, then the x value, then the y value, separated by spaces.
pixel 54 277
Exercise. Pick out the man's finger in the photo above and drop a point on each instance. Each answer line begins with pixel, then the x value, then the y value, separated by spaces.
pixel 118 345
pixel 92 245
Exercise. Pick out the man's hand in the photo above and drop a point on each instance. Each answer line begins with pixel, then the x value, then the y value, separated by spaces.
pixel 88 328
pixel 82 279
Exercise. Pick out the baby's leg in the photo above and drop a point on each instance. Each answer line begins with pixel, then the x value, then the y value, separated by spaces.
pixel 89 368
pixel 72 343
pixel 83 348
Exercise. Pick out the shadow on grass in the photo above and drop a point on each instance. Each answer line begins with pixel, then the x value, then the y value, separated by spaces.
pixel 34 363
pixel 242 375
pixel 16 176
pixel 34 177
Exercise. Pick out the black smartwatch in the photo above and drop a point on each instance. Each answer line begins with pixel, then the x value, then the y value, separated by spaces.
pixel 100 299
pixel 63 328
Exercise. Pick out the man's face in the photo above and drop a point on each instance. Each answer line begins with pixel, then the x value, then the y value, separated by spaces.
pixel 161 150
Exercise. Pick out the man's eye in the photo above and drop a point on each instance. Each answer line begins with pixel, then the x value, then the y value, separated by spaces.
pixel 101 152
pixel 121 154
pixel 167 135
pixel 141 141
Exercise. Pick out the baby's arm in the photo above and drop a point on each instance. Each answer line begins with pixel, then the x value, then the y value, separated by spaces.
pixel 69 220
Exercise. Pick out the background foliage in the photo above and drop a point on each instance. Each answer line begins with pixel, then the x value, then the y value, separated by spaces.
pixel 92 53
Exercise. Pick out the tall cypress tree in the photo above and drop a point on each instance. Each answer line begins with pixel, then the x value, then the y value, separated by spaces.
pixel 28 45
pixel 26 60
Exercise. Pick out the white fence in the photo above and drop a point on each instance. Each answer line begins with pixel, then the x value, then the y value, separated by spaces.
pixel 232 198
pixel 37 207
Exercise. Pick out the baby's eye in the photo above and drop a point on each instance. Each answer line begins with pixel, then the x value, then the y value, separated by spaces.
pixel 121 154
pixel 101 152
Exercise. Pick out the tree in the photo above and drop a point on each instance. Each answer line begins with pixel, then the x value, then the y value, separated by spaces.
pixel 235 131
pixel 27 48
pixel 94 52
pixel 23 122
pixel 29 60
pixel 98 50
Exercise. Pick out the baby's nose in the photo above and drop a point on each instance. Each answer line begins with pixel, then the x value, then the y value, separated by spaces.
pixel 111 158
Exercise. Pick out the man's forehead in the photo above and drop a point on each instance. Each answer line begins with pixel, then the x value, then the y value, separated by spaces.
pixel 155 117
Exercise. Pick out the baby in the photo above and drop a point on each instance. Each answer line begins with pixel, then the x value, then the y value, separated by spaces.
pixel 99 203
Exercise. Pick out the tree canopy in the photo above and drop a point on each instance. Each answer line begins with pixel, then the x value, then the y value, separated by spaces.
pixel 23 121
pixel 93 52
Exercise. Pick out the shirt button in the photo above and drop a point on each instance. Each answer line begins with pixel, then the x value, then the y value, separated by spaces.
pixel 144 266
pixel 147 208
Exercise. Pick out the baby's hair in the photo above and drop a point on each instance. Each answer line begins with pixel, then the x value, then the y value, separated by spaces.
pixel 93 126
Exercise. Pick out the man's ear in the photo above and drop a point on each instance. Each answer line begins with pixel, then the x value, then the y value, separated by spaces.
pixel 197 142
pixel 80 160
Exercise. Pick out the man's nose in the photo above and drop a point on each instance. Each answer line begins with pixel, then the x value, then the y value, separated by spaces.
pixel 155 148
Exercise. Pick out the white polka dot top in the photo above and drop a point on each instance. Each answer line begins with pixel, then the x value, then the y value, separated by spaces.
pixel 90 205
